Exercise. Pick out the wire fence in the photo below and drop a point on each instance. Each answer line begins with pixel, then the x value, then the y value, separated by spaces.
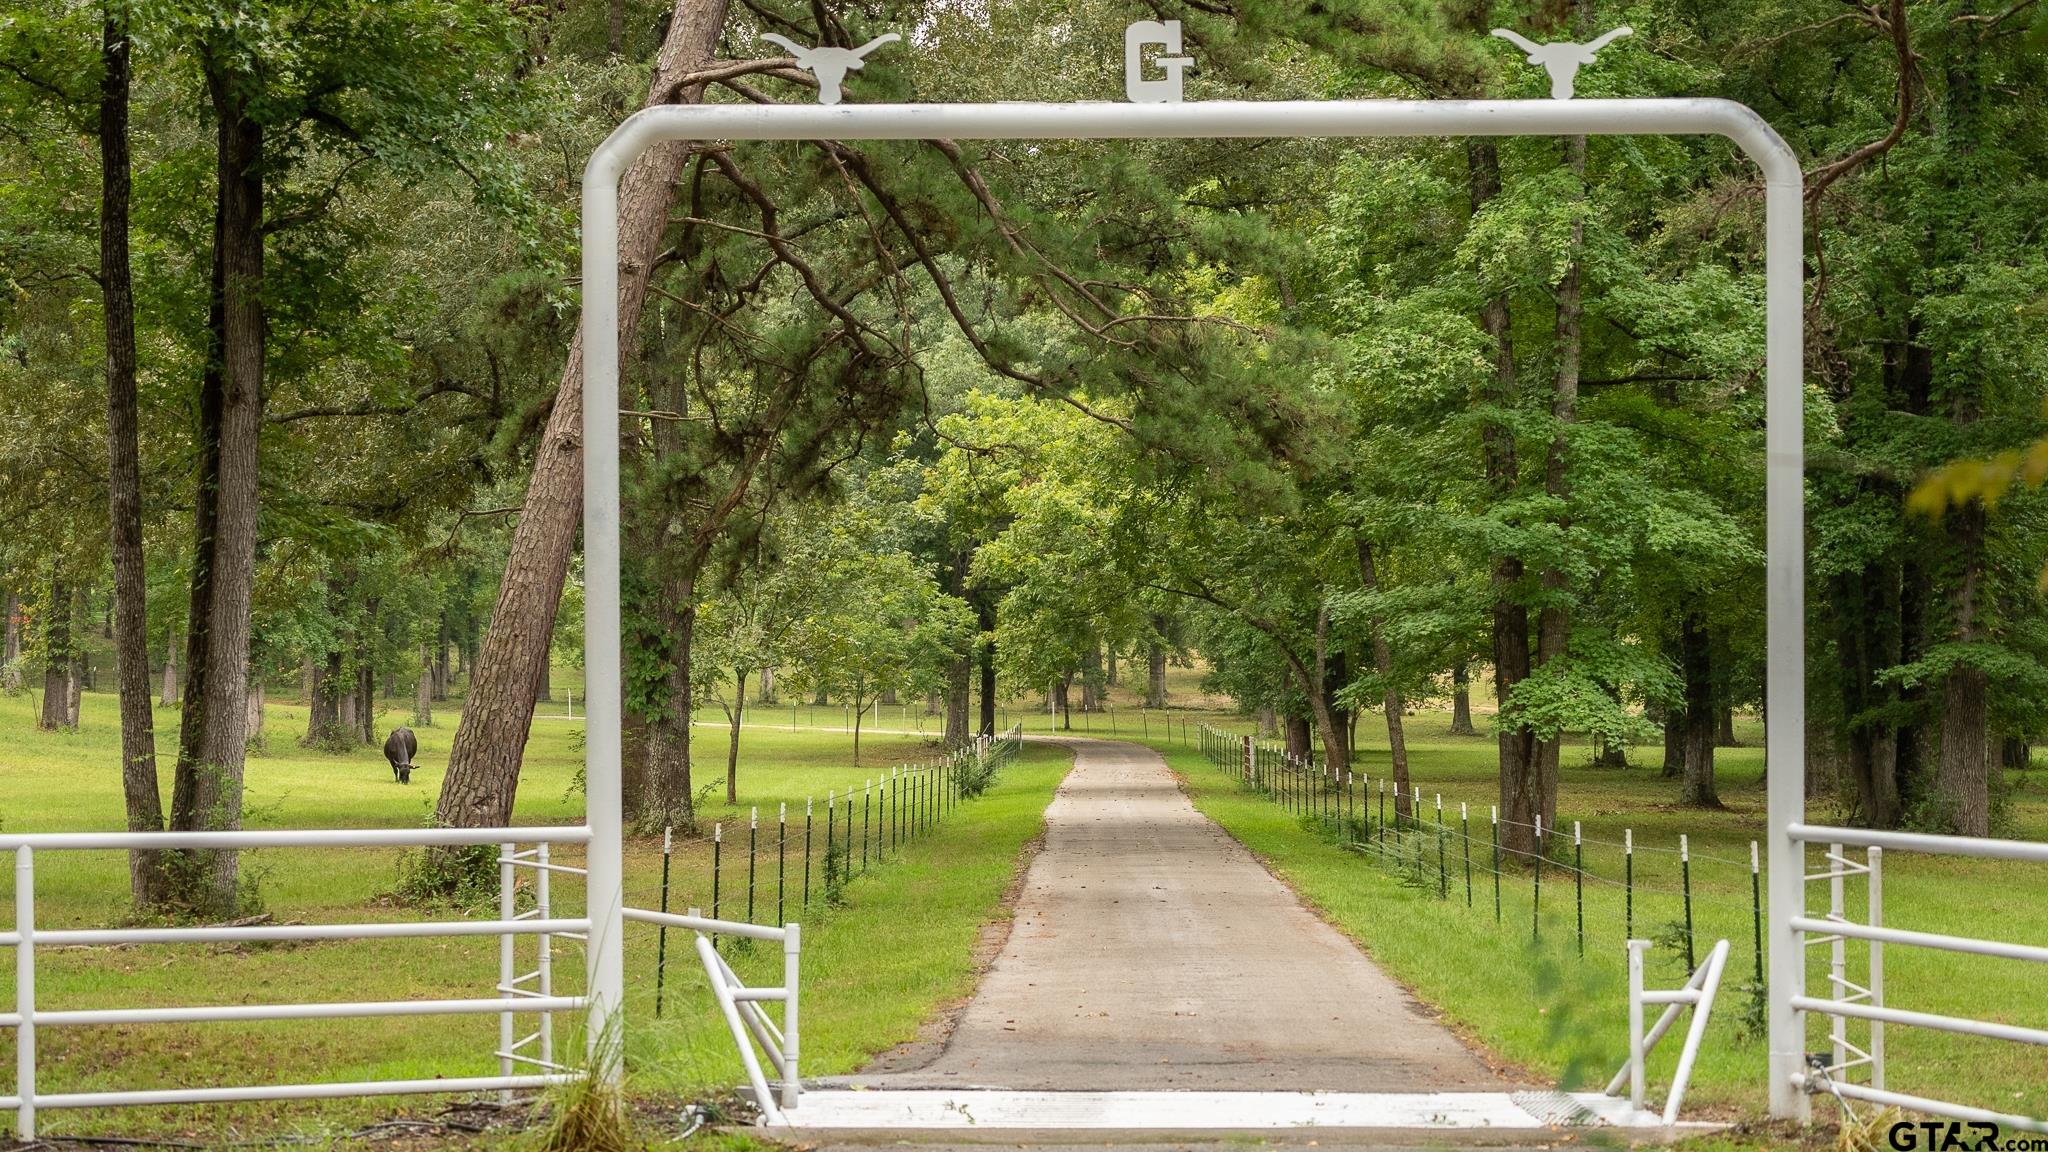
pixel 1548 879
pixel 804 855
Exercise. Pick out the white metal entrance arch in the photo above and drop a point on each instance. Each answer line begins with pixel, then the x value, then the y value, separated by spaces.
pixel 1784 446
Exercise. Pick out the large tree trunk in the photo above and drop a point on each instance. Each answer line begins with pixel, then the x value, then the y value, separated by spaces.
pixel 1461 701
pixel 1963 772
pixel 959 700
pixel 1696 785
pixel 1390 695
pixel 170 682
pixel 323 700
pixel 668 798
pixel 1059 702
pixel 253 712
pixel 348 721
pixel 212 740
pixel 423 692
pixel 1553 622
pixel 56 711
pixel 1522 797
pixel 1297 733
pixel 490 741
pixel 141 798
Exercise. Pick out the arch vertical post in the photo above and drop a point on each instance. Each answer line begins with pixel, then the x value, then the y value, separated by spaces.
pixel 605 952
pixel 1785 616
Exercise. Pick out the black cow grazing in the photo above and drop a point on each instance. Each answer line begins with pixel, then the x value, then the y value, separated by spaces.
pixel 399 748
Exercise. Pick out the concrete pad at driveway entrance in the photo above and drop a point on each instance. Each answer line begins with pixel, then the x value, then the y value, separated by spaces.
pixel 1151 951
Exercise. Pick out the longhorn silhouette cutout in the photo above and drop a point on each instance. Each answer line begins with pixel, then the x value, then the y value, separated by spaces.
pixel 1562 59
pixel 830 65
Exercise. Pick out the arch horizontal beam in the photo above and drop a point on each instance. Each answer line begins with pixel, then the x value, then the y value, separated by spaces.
pixel 1784 408
pixel 1234 119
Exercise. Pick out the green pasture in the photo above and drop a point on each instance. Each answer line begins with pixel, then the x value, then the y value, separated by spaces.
pixel 875 965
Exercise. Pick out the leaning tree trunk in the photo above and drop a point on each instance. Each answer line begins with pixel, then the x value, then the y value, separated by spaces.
pixel 141 798
pixel 490 740
pixel 212 740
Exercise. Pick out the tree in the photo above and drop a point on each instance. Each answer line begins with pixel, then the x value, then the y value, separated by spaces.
pixel 483 766
pixel 882 622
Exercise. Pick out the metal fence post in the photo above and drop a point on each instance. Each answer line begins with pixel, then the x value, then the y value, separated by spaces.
pixel 792 947
pixel 25 993
pixel 753 835
pixel 661 933
pixel 1838 958
pixel 1493 814
pixel 781 852
pixel 1628 887
pixel 1536 901
pixel 543 908
pixel 1465 836
pixel 1635 1023
pixel 507 970
pixel 831 837
pixel 1756 911
pixel 1579 883
pixel 1443 874
pixel 1685 878
pixel 1876 920
pixel 717 869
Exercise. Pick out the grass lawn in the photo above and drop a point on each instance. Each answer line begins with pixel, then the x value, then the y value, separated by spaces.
pixel 1563 1017
pixel 875 966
